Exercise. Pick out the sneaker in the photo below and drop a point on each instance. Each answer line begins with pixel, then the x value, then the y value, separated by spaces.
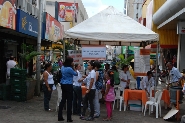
pixel 82 117
pixel 96 116
pixel 89 119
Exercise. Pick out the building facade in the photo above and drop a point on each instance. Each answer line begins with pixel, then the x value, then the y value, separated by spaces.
pixel 133 8
pixel 169 22
pixel 81 13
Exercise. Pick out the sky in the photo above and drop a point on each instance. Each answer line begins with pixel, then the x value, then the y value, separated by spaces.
pixel 95 6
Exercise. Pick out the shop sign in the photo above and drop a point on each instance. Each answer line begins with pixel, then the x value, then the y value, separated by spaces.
pixel 8 13
pixel 67 11
pixel 181 28
pixel 27 24
pixel 54 29
pixel 93 52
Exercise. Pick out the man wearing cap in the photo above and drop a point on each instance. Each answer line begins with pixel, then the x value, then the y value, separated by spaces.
pixel 175 75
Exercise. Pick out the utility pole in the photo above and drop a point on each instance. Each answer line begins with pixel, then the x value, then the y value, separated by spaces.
pixel 38 65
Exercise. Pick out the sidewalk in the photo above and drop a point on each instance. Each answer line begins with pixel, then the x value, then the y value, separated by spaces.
pixel 32 112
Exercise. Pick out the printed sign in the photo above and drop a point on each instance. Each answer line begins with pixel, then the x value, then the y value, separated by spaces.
pixel 90 52
pixel 8 13
pixel 67 11
pixel 77 57
pixel 26 23
pixel 181 28
pixel 141 62
pixel 54 29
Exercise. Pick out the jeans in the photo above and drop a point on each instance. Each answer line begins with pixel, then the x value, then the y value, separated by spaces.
pixel 47 96
pixel 67 94
pixel 89 97
pixel 77 99
pixel 97 103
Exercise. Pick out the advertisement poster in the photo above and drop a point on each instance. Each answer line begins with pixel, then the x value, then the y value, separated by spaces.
pixel 141 62
pixel 8 13
pixel 67 11
pixel 77 57
pixel 54 29
pixel 26 23
pixel 90 52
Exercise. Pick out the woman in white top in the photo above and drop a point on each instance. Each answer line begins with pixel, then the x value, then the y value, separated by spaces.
pixel 77 91
pixel 90 93
pixel 47 85
pixel 147 82
pixel 124 78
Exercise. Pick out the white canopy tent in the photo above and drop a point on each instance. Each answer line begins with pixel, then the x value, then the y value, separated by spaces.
pixel 111 27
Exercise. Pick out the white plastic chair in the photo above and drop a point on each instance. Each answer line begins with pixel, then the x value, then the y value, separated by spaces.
pixel 155 102
pixel 118 97
pixel 59 91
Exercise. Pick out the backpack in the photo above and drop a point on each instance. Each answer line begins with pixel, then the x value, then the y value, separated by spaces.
pixel 99 82
pixel 57 76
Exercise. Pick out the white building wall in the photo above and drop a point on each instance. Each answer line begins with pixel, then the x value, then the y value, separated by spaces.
pixel 134 9
pixel 81 16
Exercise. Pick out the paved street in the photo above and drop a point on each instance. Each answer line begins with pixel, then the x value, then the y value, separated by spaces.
pixel 32 112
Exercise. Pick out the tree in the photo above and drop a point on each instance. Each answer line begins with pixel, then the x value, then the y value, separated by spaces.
pixel 123 61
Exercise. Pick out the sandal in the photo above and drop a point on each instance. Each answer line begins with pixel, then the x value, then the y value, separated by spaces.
pixel 107 119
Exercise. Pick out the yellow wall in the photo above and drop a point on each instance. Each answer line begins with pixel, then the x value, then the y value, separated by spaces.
pixel 144 9
pixel 166 37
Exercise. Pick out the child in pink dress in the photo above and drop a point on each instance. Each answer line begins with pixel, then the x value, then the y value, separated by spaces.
pixel 109 95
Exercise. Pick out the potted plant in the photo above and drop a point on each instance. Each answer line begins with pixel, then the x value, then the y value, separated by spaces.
pixel 26 61
pixel 123 60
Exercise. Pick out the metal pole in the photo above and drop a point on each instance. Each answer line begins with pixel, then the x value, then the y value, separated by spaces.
pixel 38 65
pixel 156 72
pixel 64 50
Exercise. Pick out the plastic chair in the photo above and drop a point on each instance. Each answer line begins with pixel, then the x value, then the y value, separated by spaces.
pixel 155 102
pixel 59 91
pixel 118 97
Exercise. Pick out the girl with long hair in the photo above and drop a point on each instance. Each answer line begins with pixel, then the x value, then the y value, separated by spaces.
pixel 68 71
pixel 109 94
pixel 90 93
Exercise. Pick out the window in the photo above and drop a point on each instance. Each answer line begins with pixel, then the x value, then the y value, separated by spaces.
pixel 50 3
pixel 137 16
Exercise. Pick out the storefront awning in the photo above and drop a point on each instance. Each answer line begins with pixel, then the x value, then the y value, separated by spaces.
pixel 167 10
pixel 171 23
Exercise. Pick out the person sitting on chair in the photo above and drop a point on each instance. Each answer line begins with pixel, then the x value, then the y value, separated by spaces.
pixel 147 82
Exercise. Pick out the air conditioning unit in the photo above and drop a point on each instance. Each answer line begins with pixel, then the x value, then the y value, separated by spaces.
pixel 22 4
pixel 29 8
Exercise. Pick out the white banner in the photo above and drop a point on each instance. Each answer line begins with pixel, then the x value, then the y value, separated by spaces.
pixel 77 57
pixel 141 62
pixel 93 52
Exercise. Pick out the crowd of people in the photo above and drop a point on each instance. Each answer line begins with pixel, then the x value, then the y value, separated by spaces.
pixel 100 83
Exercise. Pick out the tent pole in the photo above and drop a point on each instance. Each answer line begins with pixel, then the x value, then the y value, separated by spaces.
pixel 156 72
